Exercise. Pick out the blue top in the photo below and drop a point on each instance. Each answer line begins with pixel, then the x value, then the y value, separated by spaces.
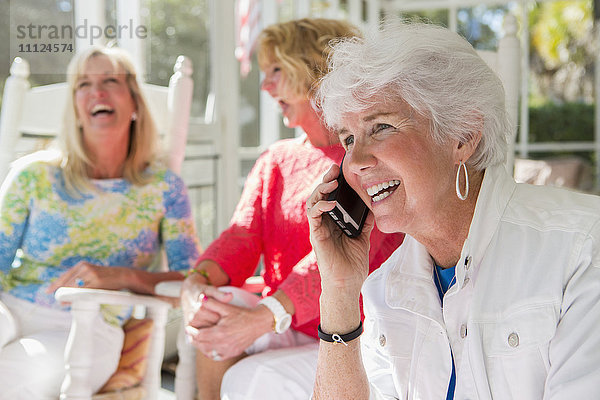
pixel 444 279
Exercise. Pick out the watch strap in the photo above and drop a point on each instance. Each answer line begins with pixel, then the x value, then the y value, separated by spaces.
pixel 275 307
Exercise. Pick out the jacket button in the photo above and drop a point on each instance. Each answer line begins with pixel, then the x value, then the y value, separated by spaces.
pixel 463 331
pixel 468 262
pixel 382 340
pixel 513 340
pixel 466 281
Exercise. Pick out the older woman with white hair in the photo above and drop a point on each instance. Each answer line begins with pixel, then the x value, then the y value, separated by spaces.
pixel 495 292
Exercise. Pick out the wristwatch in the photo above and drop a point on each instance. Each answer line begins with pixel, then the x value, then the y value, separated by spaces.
pixel 283 320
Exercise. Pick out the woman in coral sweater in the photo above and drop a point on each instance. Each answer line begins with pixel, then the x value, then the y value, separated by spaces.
pixel 226 325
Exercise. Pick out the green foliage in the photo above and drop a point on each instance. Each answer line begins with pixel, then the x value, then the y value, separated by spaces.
pixel 561 32
pixel 562 122
pixel 179 27
pixel 474 23
pixel 562 50
pixel 439 16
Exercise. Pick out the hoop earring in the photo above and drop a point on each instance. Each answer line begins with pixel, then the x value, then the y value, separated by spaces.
pixel 458 193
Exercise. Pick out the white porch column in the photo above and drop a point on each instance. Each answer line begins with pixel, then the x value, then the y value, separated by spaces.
pixel 88 13
pixel 524 117
pixel 302 9
pixel 373 8
pixel 269 117
pixel 452 18
pixel 355 12
pixel 226 87
pixel 128 15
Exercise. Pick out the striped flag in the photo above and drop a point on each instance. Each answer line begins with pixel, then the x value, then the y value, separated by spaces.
pixel 248 29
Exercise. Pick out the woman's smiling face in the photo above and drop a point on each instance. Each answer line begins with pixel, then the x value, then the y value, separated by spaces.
pixel 103 100
pixel 392 161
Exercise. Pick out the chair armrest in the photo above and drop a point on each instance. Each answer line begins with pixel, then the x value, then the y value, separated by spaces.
pixel 85 307
pixel 113 297
pixel 168 288
pixel 254 284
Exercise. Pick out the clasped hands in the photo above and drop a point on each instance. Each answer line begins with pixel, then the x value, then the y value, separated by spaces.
pixel 218 329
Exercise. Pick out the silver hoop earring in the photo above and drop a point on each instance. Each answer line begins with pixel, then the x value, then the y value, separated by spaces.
pixel 458 193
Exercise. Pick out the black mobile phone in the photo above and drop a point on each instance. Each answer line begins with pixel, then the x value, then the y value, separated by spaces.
pixel 350 212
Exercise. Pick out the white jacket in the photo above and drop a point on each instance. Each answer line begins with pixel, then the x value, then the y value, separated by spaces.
pixel 523 319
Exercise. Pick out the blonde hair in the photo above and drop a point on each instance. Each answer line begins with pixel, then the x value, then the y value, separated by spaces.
pixel 302 48
pixel 75 161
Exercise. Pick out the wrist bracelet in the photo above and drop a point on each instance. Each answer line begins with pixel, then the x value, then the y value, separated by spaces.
pixel 337 338
pixel 202 272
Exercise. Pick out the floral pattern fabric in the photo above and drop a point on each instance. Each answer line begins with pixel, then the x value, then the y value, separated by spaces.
pixel 44 230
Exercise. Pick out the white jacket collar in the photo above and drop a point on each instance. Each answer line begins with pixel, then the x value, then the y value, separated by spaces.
pixel 409 285
pixel 496 190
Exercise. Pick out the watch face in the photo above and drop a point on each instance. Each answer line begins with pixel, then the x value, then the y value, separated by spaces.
pixel 283 324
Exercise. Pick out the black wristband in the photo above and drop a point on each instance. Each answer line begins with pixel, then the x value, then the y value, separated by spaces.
pixel 337 338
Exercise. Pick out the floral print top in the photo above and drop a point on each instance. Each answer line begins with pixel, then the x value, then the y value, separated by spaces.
pixel 44 230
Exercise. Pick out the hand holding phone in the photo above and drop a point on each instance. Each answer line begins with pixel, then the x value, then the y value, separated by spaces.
pixel 350 212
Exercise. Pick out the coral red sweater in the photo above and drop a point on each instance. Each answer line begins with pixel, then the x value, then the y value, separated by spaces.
pixel 270 220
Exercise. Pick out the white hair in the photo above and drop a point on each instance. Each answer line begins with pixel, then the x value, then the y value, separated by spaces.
pixel 434 70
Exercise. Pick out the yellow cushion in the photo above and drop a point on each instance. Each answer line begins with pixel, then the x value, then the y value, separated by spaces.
pixel 132 365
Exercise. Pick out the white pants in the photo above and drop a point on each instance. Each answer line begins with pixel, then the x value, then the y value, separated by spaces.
pixel 32 365
pixel 281 366
pixel 287 373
